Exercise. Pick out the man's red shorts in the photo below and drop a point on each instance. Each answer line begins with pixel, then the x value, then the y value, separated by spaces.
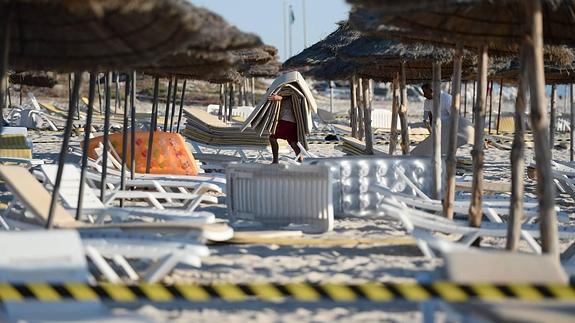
pixel 286 130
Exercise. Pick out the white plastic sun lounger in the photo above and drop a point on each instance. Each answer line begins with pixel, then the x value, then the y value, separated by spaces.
pixel 93 206
pixel 71 183
pixel 422 225
pixel 280 195
pixel 36 199
pixel 63 260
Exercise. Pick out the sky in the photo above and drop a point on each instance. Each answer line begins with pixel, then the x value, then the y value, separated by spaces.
pixel 265 18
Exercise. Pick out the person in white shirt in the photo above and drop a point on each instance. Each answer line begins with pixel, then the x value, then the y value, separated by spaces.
pixel 445 106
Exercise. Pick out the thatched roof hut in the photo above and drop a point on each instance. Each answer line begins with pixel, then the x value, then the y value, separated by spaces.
pixel 95 34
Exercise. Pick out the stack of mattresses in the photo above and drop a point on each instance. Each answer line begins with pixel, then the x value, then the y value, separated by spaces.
pixel 265 117
pixel 207 129
pixel 354 147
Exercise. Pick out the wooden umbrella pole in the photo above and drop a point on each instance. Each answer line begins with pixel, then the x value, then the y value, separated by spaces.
pixel 232 101
pixel 226 102
pixel 517 160
pixel 572 122
pixel 394 115
pixel 254 91
pixel 5 15
pixel 474 96
pixel 167 111
pixel 490 90
pixel 133 125
pixel 475 209
pixel 360 108
pixel 173 104
pixel 125 138
pixel 403 112
pixel 181 106
pixel 465 99
pixel 118 102
pixel 499 108
pixel 451 160
pixel 87 131
pixel 353 106
pixel 222 101
pixel 105 141
pixel 99 93
pixel 64 149
pixel 436 131
pixel 540 126
pixel 153 124
pixel 367 116
pixel 552 117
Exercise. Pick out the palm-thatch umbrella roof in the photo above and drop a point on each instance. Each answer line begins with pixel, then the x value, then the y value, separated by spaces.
pixel 95 34
pixel 554 74
pixel 325 49
pixel 268 70
pixel 257 55
pixel 472 21
pixel 35 79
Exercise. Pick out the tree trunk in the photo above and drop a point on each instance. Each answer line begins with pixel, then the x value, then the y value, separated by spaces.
pixel 436 131
pixel 403 113
pixel 500 101
pixel 540 126
pixel 353 106
pixel 367 116
pixel 394 115
pixel 476 209
pixel 451 162
pixel 552 117
pixel 517 161
pixel 360 108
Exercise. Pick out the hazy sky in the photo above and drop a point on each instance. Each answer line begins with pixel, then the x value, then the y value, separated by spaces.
pixel 265 18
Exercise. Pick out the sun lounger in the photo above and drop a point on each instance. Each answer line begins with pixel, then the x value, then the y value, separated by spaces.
pixel 422 225
pixel 60 260
pixel 354 147
pixel 36 199
pixel 70 186
pixel 280 195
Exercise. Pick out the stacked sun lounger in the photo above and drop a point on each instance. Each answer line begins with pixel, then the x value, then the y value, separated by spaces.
pixel 207 129
pixel 355 147
pixel 266 116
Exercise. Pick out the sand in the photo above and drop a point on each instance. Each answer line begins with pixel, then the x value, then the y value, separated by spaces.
pixel 343 264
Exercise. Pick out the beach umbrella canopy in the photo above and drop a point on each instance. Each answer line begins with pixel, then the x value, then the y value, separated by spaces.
pixel 472 21
pixel 554 74
pixel 66 36
pixel 268 70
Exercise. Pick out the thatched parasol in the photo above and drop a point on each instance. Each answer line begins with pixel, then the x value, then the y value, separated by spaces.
pixel 268 70
pixel 93 34
pixel 35 79
pixel 495 24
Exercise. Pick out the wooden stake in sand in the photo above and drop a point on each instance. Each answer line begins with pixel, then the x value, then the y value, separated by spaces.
pixel 552 117
pixel 403 112
pixel 72 106
pixel 353 106
pixel 540 126
pixel 499 108
pixel 517 160
pixel 451 160
pixel 153 123
pixel 436 131
pixel 367 116
pixel 105 141
pixel 475 209
pixel 394 114
pixel 87 131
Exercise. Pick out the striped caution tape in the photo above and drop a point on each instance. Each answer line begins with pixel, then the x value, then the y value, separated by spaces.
pixel 304 292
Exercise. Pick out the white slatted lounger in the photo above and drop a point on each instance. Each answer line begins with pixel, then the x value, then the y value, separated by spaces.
pixel 36 199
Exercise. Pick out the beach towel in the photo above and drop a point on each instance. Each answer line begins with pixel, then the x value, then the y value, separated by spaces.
pixel 265 118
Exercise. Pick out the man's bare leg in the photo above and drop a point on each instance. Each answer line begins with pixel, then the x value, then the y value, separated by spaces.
pixel 275 150
pixel 294 146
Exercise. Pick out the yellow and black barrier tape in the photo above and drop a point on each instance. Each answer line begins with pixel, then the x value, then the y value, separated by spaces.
pixel 304 292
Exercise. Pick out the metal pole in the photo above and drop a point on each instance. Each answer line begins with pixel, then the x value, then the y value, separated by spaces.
pixel 133 127
pixel 290 32
pixel 181 106
pixel 153 123
pixel 125 139
pixel 286 56
pixel 167 113
pixel 107 103
pixel 173 103
pixel 87 131
pixel 64 148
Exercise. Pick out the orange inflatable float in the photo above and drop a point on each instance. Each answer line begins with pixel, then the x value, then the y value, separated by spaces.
pixel 170 155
